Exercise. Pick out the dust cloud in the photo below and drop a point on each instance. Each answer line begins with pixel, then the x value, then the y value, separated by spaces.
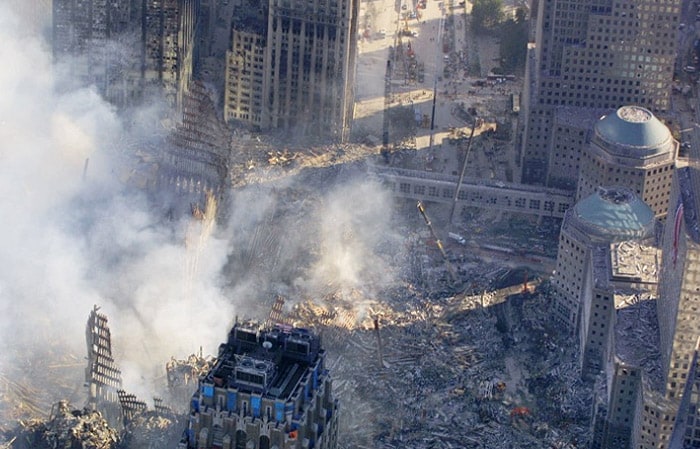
pixel 74 235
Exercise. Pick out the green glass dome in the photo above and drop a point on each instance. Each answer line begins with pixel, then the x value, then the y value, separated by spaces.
pixel 615 213
pixel 633 126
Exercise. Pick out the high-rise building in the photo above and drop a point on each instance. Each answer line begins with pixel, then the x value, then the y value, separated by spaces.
pixel 267 388
pixel 99 41
pixel 633 149
pixel 588 56
pixel 608 216
pixel 169 39
pixel 123 46
pixel 245 62
pixel 679 294
pixel 291 66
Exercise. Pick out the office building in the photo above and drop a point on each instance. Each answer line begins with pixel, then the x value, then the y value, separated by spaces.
pixel 291 66
pixel 125 46
pixel 679 295
pixel 633 149
pixel 591 56
pixel 608 216
pixel 245 62
pixel 168 47
pixel 99 42
pixel 267 388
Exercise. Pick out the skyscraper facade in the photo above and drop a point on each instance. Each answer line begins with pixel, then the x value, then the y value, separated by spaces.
pixel 96 39
pixel 124 46
pixel 607 216
pixel 297 72
pixel 679 294
pixel 168 47
pixel 588 56
pixel 267 388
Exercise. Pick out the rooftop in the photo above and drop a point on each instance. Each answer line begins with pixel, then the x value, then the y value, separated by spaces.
pixel 267 361
pixel 633 126
pixel 615 213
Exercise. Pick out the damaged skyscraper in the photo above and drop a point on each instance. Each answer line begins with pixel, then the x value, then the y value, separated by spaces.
pixel 127 47
pixel 588 59
pixel 291 66
pixel 268 388
pixel 99 42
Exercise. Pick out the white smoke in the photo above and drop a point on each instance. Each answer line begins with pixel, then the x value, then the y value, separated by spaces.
pixel 72 235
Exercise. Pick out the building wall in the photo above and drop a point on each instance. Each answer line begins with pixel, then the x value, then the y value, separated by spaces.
pixel 309 63
pixel 657 419
pixel 99 41
pixel 244 78
pixel 169 29
pixel 679 289
pixel 253 421
pixel 572 260
pixel 650 179
pixel 598 54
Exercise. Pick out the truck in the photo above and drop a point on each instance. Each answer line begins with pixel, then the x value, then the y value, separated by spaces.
pixel 456 237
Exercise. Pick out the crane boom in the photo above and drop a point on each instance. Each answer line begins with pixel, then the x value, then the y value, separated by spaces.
pixel 438 242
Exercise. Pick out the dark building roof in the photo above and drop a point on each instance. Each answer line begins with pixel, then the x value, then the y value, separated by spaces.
pixel 266 361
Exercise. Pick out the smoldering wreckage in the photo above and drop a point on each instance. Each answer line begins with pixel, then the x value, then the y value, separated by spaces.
pixel 464 370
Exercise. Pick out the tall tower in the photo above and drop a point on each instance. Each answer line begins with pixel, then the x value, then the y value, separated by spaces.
pixel 607 216
pixel 297 73
pixel 99 41
pixel 679 294
pixel 633 149
pixel 169 37
pixel 588 56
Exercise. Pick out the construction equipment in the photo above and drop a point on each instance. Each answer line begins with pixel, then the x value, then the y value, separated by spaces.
pixel 438 242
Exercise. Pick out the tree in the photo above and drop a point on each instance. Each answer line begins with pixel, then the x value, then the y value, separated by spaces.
pixel 486 14
pixel 513 49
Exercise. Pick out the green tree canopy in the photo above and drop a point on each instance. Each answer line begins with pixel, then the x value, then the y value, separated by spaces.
pixel 486 14
pixel 513 49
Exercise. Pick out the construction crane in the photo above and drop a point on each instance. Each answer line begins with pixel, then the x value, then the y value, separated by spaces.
pixel 438 242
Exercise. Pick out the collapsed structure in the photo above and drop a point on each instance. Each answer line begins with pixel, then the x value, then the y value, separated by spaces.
pixel 267 388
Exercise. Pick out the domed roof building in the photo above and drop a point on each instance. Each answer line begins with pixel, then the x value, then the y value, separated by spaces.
pixel 607 216
pixel 634 149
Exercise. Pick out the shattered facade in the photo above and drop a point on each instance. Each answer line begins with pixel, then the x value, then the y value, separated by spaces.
pixel 291 66
pixel 126 46
pixel 592 55
pixel 169 37
pixel 195 161
pixel 267 388
pixel 99 41
pixel 102 376
pixel 633 149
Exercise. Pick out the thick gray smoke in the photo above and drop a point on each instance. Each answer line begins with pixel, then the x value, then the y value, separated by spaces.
pixel 72 235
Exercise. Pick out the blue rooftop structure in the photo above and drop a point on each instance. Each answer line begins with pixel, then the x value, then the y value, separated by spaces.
pixel 635 129
pixel 616 213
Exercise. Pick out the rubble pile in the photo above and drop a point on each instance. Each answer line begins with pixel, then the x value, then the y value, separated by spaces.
pixel 66 429
pixel 440 374
pixel 182 378
pixel 152 430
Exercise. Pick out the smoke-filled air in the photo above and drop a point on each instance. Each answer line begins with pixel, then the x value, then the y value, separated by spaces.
pixel 73 234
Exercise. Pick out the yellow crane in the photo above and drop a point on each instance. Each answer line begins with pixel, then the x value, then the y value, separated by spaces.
pixel 438 242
